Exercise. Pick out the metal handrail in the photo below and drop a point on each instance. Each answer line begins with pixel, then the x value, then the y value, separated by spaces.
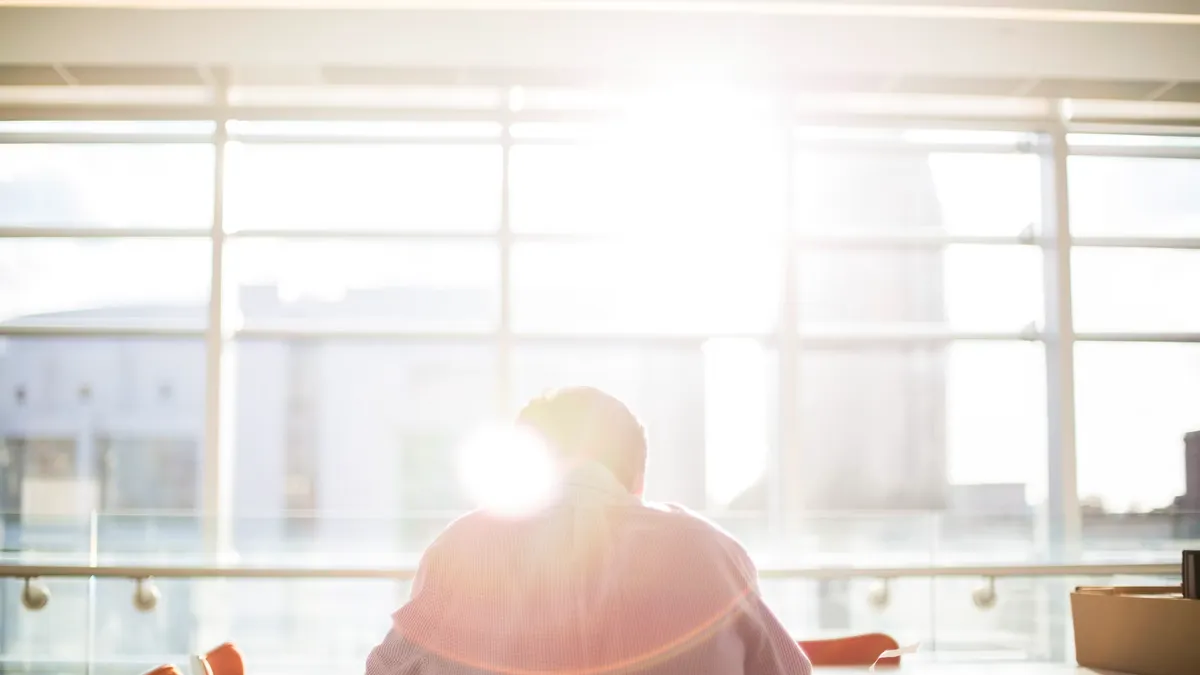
pixel 32 571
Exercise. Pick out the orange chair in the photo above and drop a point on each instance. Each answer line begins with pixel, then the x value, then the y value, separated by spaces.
pixel 855 650
pixel 223 660
pixel 165 669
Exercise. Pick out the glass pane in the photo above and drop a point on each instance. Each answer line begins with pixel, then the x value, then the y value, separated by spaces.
pixel 975 193
pixel 1134 196
pixel 664 184
pixel 693 287
pixel 961 287
pixel 385 284
pixel 815 609
pixel 306 627
pixel 106 185
pixel 922 427
pixel 366 434
pixel 1029 619
pixel 139 640
pixel 671 391
pixel 1136 289
pixel 107 425
pixel 53 639
pixel 155 281
pixel 1134 403
pixel 408 187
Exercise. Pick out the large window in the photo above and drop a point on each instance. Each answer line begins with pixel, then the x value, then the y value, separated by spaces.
pixel 1135 274
pixel 842 342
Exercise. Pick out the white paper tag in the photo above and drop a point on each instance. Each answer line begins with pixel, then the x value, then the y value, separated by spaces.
pixel 198 666
pixel 890 653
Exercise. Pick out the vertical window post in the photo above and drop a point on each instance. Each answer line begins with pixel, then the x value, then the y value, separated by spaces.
pixel 218 460
pixel 1061 527
pixel 504 401
pixel 781 502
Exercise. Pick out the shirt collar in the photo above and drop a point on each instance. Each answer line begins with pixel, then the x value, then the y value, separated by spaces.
pixel 592 483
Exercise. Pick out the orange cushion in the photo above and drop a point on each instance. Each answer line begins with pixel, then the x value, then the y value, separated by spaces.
pixel 855 650
pixel 225 660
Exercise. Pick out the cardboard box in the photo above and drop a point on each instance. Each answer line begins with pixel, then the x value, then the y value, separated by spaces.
pixel 1138 630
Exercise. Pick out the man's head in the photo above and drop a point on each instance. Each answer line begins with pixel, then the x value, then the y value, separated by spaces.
pixel 584 423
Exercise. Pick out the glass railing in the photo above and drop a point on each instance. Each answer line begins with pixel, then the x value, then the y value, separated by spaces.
pixel 314 594
pixel 845 539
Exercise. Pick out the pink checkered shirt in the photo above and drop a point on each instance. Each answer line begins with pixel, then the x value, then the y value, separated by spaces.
pixel 600 583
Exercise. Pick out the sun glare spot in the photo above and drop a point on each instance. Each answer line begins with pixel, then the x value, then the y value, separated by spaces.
pixel 508 471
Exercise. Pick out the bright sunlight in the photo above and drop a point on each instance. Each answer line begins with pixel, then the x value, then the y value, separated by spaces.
pixel 508 471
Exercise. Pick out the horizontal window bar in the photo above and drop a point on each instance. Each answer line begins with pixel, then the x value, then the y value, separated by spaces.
pixel 840 338
pixel 357 233
pixel 310 331
pixel 103 138
pixel 334 332
pixel 1142 128
pixel 495 234
pixel 192 112
pixel 1125 336
pixel 1136 151
pixel 889 239
pixel 97 330
pixel 852 338
pixel 1137 242
pixel 865 239
pixel 901 146
pixel 832 239
pixel 766 572
pixel 105 113
pixel 841 116
pixel 808 145
pixel 99 232
pixel 345 139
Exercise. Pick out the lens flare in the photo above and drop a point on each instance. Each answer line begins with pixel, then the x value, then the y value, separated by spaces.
pixel 508 471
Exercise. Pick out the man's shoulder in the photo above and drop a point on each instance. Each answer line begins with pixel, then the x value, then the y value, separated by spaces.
pixel 475 526
pixel 669 514
pixel 676 519
pixel 654 518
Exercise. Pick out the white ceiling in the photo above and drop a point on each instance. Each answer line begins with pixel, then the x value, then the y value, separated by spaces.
pixel 1110 52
